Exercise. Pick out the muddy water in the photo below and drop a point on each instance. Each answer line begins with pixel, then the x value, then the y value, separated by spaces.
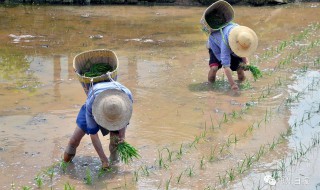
pixel 163 60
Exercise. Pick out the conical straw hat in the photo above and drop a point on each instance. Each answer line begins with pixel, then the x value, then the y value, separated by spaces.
pixel 243 41
pixel 112 109
pixel 216 16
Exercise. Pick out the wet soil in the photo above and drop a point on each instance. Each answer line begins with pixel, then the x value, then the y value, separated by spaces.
pixel 179 120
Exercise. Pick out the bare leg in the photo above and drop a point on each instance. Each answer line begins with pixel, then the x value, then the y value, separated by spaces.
pixel 115 138
pixel 241 75
pixel 212 74
pixel 74 142
pixel 98 147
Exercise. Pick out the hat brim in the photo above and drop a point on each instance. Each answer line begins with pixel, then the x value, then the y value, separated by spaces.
pixel 97 110
pixel 221 8
pixel 236 46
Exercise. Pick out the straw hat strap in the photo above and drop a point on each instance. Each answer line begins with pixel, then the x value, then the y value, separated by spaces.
pixel 223 38
pixel 111 79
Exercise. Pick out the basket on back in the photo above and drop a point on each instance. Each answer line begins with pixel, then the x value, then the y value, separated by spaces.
pixel 216 16
pixel 86 60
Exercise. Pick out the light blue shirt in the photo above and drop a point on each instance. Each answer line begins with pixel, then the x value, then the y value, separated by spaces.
pixel 219 44
pixel 92 126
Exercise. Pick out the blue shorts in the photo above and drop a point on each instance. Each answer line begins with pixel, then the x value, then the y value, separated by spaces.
pixel 82 122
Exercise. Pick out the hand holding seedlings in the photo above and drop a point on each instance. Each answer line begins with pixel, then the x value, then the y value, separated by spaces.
pixel 256 73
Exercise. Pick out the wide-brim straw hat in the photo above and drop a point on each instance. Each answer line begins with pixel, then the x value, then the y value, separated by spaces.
pixel 216 16
pixel 112 109
pixel 243 41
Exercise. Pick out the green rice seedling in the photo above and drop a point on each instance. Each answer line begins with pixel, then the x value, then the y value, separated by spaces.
pixel 136 175
pixel 272 145
pixel 203 134
pixel 222 180
pixel 179 177
pixel 26 187
pixel 190 171
pixel 39 181
pixel 229 142
pixel 249 161
pixel 240 167
pixel 212 126
pixel 235 114
pixel 161 163
pixel 145 170
pixel 127 152
pixel 260 153
pixel 304 68
pixel 179 153
pixel 259 124
pixel 212 156
pixel 64 165
pixel 268 90
pixel 170 153
pixel 231 174
pixel 168 183
pixel 88 178
pixel 202 163
pixel 221 149
pixel 245 85
pixel 50 173
pixel 67 186
pixel 225 118
pixel 275 174
pixel 249 130
pixel 283 165
pixel 236 140
pixel 103 171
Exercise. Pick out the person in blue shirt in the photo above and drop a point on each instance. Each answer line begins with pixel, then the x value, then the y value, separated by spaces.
pixel 229 44
pixel 228 48
pixel 108 109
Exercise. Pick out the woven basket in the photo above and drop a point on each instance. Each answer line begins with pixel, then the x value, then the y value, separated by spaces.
pixel 216 16
pixel 81 61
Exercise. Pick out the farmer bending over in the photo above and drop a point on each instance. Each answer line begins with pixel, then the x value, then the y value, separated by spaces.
pixel 108 108
pixel 229 44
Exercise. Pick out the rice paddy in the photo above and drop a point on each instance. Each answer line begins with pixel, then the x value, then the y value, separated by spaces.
pixel 188 138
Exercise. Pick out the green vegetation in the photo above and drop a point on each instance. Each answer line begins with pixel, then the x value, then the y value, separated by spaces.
pixel 96 69
pixel 127 152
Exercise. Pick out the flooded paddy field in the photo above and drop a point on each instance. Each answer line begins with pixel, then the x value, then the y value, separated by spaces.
pixel 190 134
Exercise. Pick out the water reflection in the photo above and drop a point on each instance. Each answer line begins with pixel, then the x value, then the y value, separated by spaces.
pixel 162 60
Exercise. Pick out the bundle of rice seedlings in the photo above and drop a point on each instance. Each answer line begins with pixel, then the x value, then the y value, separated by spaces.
pixel 97 69
pixel 127 152
pixel 255 71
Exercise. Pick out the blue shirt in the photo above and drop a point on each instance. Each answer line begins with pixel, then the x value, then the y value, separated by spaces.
pixel 91 126
pixel 219 44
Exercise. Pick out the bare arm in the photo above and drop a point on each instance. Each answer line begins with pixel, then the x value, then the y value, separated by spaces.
pixel 228 73
pixel 98 147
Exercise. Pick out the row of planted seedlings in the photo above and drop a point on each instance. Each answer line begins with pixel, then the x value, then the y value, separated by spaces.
pixel 301 150
pixel 250 128
pixel 244 165
pixel 232 139
pixel 144 170
pixel 162 162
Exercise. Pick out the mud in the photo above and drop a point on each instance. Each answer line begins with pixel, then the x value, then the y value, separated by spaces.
pixel 163 60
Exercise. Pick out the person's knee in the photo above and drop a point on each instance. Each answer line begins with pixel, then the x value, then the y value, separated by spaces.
pixel 212 74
